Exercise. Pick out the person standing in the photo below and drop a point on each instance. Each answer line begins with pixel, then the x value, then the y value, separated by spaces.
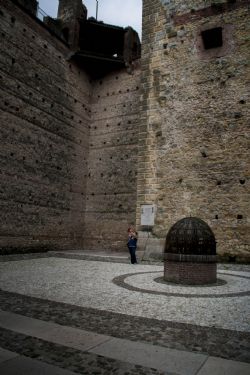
pixel 132 244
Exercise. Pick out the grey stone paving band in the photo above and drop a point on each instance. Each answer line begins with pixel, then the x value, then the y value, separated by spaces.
pixel 120 281
pixel 68 358
pixel 216 342
pixel 219 282
pixel 18 257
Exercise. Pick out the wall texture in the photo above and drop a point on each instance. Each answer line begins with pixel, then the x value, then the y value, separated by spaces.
pixel 193 154
pixel 112 168
pixel 45 114
pixel 80 157
pixel 68 144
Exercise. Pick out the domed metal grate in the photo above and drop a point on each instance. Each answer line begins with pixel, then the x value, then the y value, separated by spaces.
pixel 190 236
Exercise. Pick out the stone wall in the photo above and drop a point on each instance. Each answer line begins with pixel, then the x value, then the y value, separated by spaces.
pixel 112 168
pixel 193 146
pixel 66 142
pixel 30 5
pixel 79 158
pixel 45 114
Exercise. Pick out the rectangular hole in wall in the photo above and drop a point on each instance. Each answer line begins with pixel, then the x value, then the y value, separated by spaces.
pixel 212 38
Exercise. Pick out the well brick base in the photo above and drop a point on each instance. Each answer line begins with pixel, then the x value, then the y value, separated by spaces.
pixel 190 273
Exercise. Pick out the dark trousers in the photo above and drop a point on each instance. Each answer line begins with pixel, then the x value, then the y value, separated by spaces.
pixel 132 251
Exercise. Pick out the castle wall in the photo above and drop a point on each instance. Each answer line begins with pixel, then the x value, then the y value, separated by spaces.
pixel 79 158
pixel 112 168
pixel 193 143
pixel 44 115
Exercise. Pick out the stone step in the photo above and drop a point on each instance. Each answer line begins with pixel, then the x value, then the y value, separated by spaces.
pixel 14 364
pixel 119 257
pixel 136 353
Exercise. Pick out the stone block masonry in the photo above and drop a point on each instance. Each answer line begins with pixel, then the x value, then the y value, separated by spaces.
pixel 112 168
pixel 193 141
pixel 68 143
pixel 79 155
pixel 45 114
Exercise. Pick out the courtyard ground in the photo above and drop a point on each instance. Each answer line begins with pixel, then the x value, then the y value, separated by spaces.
pixel 76 312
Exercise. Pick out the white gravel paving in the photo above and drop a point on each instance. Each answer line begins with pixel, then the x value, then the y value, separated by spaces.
pixel 89 284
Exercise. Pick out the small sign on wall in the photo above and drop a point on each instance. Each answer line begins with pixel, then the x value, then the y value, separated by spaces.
pixel 148 214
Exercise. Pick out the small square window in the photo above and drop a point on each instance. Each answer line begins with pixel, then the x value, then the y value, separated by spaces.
pixel 212 38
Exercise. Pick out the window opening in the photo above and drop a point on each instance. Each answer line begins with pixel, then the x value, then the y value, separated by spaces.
pixel 212 38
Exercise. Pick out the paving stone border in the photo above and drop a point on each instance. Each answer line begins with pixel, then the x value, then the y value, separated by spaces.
pixel 16 257
pixel 120 281
pixel 161 280
pixel 19 257
pixel 67 358
pixel 213 341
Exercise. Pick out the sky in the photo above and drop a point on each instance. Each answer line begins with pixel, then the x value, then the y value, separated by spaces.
pixel 117 12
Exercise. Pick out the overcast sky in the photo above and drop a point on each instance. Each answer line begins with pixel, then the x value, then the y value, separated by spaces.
pixel 117 12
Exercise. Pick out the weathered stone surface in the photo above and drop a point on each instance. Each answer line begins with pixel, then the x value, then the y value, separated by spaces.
pixel 193 135
pixel 68 144
pixel 44 111
pixel 112 168
pixel 79 157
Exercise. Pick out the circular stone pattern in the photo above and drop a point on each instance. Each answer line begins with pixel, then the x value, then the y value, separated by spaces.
pixel 228 285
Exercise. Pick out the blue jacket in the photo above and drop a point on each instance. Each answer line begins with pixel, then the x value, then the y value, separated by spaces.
pixel 132 242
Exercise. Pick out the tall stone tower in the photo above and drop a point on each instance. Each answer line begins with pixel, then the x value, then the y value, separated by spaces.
pixel 30 5
pixel 193 158
pixel 70 12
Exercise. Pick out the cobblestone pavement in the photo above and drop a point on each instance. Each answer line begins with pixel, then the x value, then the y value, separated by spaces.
pixel 94 284
pixel 89 295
